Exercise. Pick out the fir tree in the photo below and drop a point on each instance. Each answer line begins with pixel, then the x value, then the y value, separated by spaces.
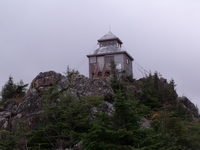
pixel 8 90
pixel 12 90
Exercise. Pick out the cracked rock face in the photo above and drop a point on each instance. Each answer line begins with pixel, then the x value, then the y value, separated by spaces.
pixel 81 85
pixel 188 105
pixel 45 79
pixel 31 104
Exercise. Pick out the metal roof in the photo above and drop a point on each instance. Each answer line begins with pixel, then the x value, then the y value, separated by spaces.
pixel 111 53
pixel 109 36
pixel 107 49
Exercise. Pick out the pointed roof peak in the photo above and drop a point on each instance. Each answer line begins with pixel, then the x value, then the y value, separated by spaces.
pixel 109 36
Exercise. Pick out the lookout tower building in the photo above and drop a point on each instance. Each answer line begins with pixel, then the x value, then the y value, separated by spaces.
pixel 110 48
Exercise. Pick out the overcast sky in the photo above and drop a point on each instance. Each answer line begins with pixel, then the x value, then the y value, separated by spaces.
pixel 43 35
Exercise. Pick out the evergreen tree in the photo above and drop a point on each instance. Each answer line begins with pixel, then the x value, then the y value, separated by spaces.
pixel 64 120
pixel 20 89
pixel 11 90
pixel 118 131
pixel 8 90
pixel 7 140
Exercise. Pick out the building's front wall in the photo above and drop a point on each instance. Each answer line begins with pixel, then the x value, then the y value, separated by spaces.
pixel 122 61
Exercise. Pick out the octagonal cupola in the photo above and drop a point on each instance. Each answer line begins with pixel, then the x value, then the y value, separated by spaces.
pixel 109 43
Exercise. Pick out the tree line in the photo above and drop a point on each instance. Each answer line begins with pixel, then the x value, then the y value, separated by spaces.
pixel 67 120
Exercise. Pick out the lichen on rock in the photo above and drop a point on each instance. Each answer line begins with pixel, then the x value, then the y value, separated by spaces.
pixel 31 103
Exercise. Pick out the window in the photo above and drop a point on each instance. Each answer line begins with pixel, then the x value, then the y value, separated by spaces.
pixel 109 58
pixel 113 42
pixel 127 61
pixel 107 43
pixel 92 59
pixel 118 66
pixel 103 44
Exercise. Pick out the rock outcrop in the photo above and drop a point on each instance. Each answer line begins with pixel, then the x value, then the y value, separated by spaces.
pixel 12 111
pixel 31 104
pixel 80 85
pixel 189 105
pixel 145 123
pixel 45 79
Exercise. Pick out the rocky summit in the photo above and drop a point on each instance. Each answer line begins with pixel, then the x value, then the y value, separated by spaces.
pixel 67 112
pixel 31 103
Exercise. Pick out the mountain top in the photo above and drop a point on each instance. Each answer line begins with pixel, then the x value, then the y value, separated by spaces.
pixel 155 101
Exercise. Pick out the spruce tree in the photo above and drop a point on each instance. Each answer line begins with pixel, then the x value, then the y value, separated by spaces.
pixel 12 90
pixel 64 120
pixel 121 130
pixel 8 90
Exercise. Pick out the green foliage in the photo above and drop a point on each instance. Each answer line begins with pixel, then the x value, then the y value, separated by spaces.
pixel 64 120
pixel 172 84
pixel 70 72
pixel 116 81
pixel 22 134
pixel 173 130
pixel 157 101
pixel 118 131
pixel 156 92
pixel 67 119
pixel 150 94
pixel 20 89
pixel 11 90
pixel 7 140
pixel 14 140
pixel 126 111
pixel 8 90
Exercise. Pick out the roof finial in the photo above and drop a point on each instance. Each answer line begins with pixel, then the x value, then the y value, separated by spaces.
pixel 109 28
